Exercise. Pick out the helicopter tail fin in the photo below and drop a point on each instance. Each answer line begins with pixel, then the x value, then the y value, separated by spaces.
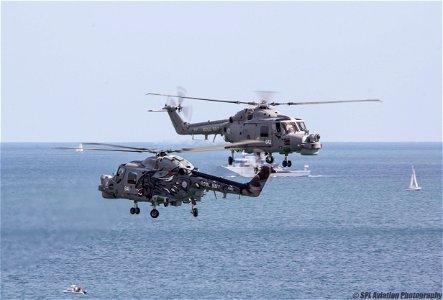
pixel 178 123
pixel 252 188
pixel 255 186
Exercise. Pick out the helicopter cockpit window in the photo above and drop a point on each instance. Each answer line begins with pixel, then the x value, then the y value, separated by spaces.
pixel 277 127
pixel 264 131
pixel 301 125
pixel 120 171
pixel 132 178
pixel 249 114
pixel 289 127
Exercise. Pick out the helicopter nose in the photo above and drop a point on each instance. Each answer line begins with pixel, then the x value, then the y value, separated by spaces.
pixel 106 186
pixel 311 144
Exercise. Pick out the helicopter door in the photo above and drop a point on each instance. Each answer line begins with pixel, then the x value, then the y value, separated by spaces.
pixel 249 131
pixel 264 134
pixel 277 129
pixel 129 182
pixel 132 178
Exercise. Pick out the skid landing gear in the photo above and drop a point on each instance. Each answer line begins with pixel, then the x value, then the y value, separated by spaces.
pixel 135 209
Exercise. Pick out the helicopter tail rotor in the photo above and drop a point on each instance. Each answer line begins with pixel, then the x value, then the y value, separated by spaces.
pixel 184 110
pixel 170 102
pixel 187 112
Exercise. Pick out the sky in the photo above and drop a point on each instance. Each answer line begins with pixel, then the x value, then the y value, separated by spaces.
pixel 80 71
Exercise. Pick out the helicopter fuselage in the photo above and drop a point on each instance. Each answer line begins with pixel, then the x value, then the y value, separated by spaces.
pixel 279 133
pixel 172 180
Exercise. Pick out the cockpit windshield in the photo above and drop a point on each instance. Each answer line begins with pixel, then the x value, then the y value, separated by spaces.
pixel 120 171
pixel 293 127
pixel 302 126
pixel 289 127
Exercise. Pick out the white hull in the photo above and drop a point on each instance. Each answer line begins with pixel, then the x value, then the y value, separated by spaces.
pixel 80 148
pixel 413 189
pixel 295 173
pixel 248 164
pixel 75 289
pixel 280 172
pixel 72 292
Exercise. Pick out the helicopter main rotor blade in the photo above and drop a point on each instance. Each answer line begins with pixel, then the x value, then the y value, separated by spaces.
pixel 271 103
pixel 121 146
pixel 322 102
pixel 206 99
pixel 106 149
pixel 215 147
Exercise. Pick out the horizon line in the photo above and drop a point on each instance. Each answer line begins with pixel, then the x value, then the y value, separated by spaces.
pixel 197 141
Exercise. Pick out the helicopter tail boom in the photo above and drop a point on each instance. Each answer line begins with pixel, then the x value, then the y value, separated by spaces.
pixel 252 188
pixel 184 128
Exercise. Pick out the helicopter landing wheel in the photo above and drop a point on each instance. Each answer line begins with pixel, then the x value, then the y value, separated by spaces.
pixel 137 210
pixel 230 160
pixel 194 212
pixel 284 164
pixel 154 213
pixel 132 210
pixel 269 159
pixel 289 163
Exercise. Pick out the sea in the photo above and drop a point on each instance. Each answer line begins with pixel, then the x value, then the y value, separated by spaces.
pixel 348 231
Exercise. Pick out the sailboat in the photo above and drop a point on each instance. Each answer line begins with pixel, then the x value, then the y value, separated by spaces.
pixel 80 148
pixel 413 186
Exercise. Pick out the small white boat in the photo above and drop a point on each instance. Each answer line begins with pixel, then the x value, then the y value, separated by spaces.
pixel 249 164
pixel 286 172
pixel 80 148
pixel 75 289
pixel 413 186
pixel 246 165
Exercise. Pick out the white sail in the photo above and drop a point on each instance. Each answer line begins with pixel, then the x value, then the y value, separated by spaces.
pixel 413 186
pixel 80 148
pixel 412 180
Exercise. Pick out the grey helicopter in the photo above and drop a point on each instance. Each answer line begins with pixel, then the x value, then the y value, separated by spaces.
pixel 278 133
pixel 168 179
